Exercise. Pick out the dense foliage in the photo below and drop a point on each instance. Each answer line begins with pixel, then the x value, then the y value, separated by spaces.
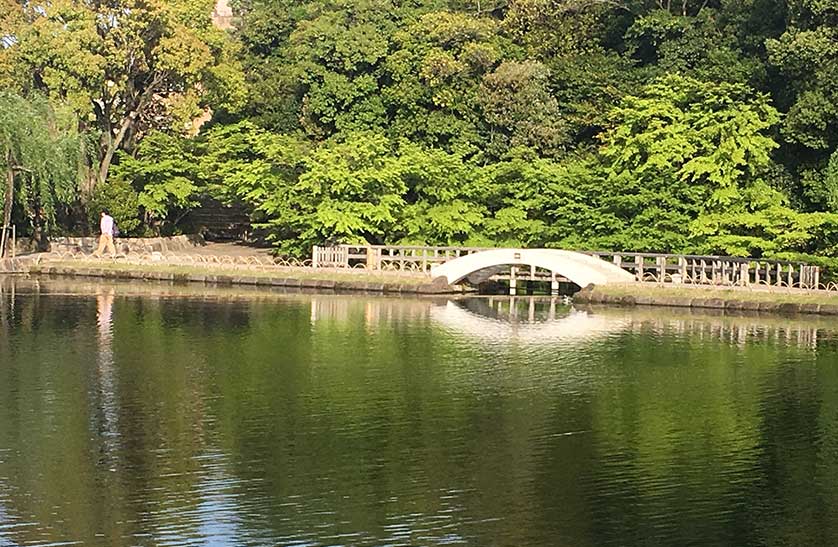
pixel 704 126
pixel 39 156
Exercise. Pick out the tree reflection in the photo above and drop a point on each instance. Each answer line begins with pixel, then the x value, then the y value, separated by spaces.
pixel 152 418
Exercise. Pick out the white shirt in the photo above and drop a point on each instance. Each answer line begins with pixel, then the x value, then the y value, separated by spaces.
pixel 106 225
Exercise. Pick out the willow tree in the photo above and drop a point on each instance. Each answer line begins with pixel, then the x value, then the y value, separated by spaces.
pixel 39 157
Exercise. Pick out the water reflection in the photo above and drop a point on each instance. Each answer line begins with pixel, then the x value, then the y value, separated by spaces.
pixel 105 415
pixel 7 303
pixel 150 414
pixel 6 520
pixel 738 328
pixel 544 320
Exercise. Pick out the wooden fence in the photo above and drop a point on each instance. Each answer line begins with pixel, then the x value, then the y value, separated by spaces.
pixel 714 270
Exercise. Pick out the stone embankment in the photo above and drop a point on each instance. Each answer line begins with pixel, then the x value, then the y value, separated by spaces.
pixel 17 265
pixel 161 259
pixel 787 303
pixel 289 279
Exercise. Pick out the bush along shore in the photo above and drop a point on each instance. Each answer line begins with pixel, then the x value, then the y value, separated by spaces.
pixel 321 280
pixel 783 301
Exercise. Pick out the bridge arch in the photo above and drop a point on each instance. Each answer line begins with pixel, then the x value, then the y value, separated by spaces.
pixel 579 268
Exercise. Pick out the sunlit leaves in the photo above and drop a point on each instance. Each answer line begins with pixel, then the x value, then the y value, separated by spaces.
pixel 683 129
pixel 163 175
pixel 128 66
pixel 517 102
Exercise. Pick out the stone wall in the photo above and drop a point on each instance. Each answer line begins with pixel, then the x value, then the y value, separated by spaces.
pixel 296 280
pixel 128 245
pixel 741 301
pixel 16 265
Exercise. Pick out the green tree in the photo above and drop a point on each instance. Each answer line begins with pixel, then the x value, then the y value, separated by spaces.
pixel 696 45
pixel 163 172
pixel 121 201
pixel 520 109
pixel 126 66
pixel 247 164
pixel 39 159
pixel 435 75
pixel 351 191
pixel 442 194
pixel 806 56
pixel 681 149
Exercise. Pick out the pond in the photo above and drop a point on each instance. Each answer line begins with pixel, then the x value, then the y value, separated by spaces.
pixel 146 414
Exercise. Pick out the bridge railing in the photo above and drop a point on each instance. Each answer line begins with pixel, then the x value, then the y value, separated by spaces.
pixel 648 267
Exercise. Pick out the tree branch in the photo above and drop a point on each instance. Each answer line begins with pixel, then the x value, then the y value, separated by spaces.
pixel 115 141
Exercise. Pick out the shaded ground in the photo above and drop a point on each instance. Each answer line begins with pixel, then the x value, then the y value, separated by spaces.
pixel 229 249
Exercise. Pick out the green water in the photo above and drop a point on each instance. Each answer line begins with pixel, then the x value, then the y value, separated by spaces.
pixel 142 414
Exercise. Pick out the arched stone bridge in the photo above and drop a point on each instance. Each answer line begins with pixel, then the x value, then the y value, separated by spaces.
pixel 579 268
pixel 553 265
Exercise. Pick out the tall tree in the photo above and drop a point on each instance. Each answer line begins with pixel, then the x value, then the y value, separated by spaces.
pixel 125 66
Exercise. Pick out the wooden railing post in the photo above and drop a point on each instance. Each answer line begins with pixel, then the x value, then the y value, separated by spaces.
pixel 315 257
pixel 513 281
pixel 371 262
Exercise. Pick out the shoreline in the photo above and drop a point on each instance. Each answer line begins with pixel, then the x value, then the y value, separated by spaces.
pixel 788 302
pixel 348 281
pixel 756 299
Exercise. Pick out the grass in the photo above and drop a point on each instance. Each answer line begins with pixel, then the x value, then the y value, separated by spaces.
pixel 779 295
pixel 262 273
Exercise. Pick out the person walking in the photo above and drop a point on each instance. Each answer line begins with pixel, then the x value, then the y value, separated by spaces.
pixel 106 239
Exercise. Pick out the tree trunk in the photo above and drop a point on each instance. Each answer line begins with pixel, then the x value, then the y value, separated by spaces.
pixel 39 229
pixel 115 141
pixel 87 170
pixel 8 201
pixel 113 144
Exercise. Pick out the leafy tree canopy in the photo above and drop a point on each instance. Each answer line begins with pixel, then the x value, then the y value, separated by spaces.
pixel 125 67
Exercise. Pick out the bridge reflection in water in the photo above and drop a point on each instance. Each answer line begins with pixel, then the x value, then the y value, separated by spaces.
pixel 534 319
pixel 545 320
